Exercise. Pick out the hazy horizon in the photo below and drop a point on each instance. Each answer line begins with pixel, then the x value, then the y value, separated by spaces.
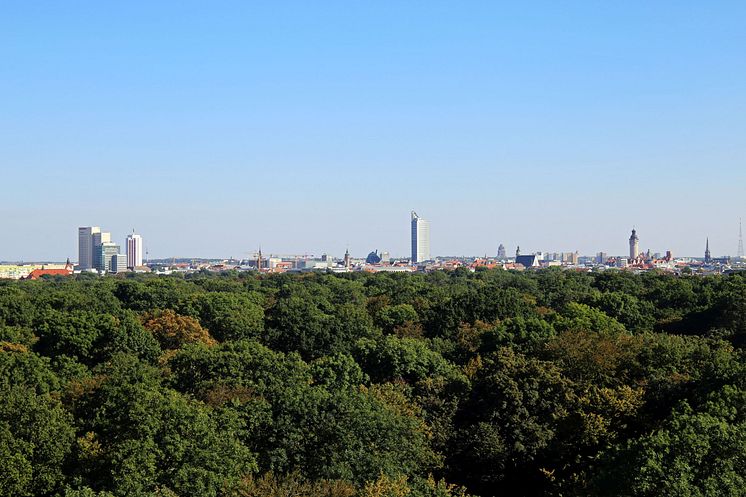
pixel 214 129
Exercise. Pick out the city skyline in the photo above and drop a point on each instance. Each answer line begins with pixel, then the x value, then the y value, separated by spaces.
pixel 133 248
pixel 314 128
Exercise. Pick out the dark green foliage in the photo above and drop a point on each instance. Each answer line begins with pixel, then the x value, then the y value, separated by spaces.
pixel 510 421
pixel 547 383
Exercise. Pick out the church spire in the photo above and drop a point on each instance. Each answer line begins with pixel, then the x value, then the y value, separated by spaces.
pixel 707 251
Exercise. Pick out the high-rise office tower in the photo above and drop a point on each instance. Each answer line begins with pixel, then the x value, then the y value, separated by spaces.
pixel 634 245
pixel 100 238
pixel 134 250
pixel 86 247
pixel 420 239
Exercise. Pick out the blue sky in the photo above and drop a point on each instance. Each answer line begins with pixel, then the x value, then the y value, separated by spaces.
pixel 308 127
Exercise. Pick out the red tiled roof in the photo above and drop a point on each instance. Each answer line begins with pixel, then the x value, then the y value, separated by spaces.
pixel 38 273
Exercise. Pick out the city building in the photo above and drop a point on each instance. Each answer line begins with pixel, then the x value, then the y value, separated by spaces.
pixel 531 260
pixel 571 258
pixel 86 247
pixel 134 250
pixel 99 238
pixel 120 263
pixel 501 254
pixel 634 245
pixel 708 258
pixel 105 252
pixel 526 261
pixel 420 239
pixel 51 271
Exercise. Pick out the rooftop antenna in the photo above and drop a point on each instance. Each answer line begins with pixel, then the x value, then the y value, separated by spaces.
pixel 740 240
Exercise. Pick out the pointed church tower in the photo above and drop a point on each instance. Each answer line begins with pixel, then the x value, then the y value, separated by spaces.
pixel 708 259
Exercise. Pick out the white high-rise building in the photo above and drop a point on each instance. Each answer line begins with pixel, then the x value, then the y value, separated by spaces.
pixel 86 247
pixel 134 250
pixel 420 239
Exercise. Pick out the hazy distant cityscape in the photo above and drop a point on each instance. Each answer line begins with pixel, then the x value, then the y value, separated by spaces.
pixel 98 254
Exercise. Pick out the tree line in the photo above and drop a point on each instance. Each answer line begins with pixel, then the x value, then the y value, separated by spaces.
pixel 486 383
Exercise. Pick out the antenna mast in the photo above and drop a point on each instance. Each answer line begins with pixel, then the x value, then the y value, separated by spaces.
pixel 740 240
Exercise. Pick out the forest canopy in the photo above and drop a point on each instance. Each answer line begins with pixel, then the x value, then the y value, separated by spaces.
pixel 546 383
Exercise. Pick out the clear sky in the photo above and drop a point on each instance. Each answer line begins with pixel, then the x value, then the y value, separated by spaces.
pixel 307 127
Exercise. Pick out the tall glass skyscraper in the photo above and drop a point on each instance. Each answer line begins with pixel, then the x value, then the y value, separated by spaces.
pixel 420 239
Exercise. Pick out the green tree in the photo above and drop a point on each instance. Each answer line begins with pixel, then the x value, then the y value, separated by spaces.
pixel 694 453
pixel 36 437
pixel 155 438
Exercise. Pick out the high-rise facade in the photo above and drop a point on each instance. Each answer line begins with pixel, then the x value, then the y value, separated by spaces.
pixel 119 263
pixel 134 250
pixel 634 245
pixel 420 239
pixel 100 237
pixel 105 253
pixel 86 246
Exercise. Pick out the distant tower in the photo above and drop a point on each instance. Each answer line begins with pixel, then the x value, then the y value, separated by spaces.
pixel 739 253
pixel 501 252
pixel 87 246
pixel 708 259
pixel 134 250
pixel 347 258
pixel 634 245
pixel 259 260
pixel 420 239
pixel 518 251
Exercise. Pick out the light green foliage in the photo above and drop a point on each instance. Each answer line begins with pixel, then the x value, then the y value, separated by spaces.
pixel 582 317
pixel 694 453
pixel 36 436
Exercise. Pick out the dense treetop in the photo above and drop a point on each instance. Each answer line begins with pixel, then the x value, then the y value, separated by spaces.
pixel 548 383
